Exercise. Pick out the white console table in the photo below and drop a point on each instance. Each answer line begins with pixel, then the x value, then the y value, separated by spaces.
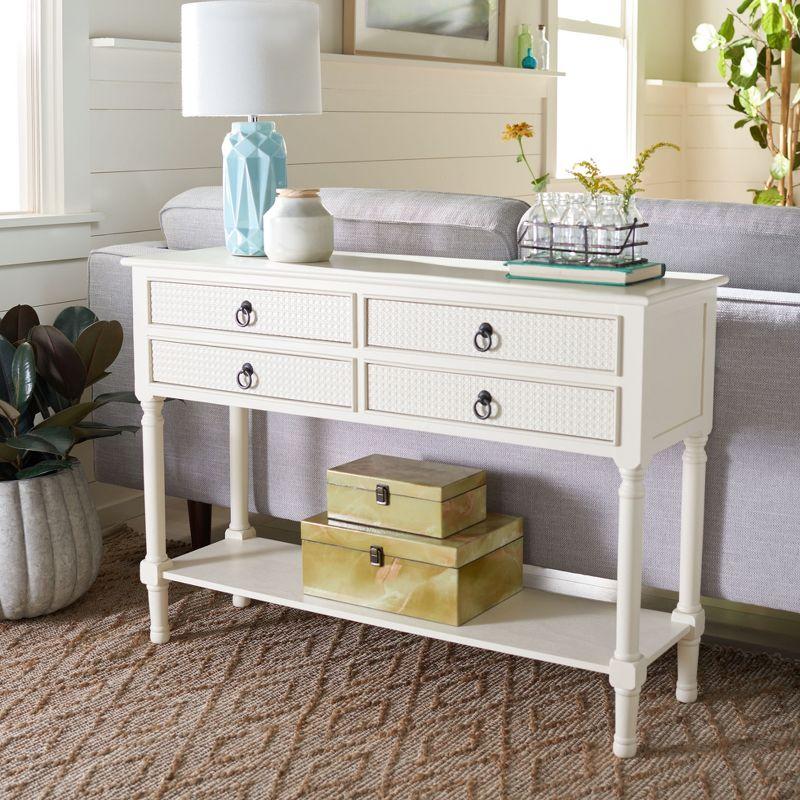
pixel 446 346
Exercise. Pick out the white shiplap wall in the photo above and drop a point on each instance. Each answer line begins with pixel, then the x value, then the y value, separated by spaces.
pixel 387 123
pixel 717 162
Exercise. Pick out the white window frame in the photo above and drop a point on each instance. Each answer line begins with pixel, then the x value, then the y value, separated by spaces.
pixel 628 31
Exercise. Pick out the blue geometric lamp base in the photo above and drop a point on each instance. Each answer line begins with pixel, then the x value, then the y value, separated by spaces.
pixel 253 169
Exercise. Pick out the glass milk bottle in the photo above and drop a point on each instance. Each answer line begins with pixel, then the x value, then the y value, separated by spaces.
pixel 609 218
pixel 632 214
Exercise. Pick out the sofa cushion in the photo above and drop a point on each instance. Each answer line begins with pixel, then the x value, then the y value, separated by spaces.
pixel 373 220
pixel 757 247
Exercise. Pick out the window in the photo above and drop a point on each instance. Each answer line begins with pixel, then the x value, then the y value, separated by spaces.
pixel 596 100
pixel 18 106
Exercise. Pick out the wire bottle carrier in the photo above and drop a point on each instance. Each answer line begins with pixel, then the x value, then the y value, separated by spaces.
pixel 550 242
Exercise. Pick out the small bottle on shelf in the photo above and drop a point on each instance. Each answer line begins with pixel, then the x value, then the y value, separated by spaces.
pixel 524 43
pixel 542 48
pixel 529 62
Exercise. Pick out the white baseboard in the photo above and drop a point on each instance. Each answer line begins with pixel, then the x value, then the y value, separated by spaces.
pixel 115 504
pixel 725 620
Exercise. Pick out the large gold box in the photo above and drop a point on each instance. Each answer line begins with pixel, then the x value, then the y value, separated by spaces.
pixel 450 580
pixel 403 494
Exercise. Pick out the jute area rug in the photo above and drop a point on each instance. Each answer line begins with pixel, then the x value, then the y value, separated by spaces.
pixel 266 702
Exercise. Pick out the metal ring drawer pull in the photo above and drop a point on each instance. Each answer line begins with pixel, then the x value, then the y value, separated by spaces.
pixel 243 314
pixel 483 405
pixel 483 338
pixel 245 376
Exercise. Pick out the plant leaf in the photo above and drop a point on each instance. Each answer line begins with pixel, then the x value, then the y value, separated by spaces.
pixel 766 197
pixel 23 374
pixel 780 167
pixel 68 417
pixel 17 323
pixel 74 320
pixel 115 397
pixel 98 430
pixel 726 30
pixel 58 362
pixel 98 346
pixel 57 441
pixel 7 351
pixel 8 455
pixel 46 467
pixel 9 411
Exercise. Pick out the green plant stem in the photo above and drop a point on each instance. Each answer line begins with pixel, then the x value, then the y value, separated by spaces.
pixel 533 177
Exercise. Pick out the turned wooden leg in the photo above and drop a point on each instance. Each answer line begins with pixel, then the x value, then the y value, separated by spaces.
pixel 689 610
pixel 627 668
pixel 240 528
pixel 155 561
pixel 199 523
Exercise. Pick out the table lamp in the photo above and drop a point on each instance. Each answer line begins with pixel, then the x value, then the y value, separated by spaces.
pixel 242 58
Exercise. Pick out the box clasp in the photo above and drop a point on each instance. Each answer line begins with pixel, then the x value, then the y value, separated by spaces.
pixel 382 494
pixel 375 556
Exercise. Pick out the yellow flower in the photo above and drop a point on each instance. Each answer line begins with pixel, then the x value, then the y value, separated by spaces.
pixel 520 130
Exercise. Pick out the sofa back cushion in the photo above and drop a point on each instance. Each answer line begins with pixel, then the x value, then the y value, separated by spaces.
pixel 757 247
pixel 373 221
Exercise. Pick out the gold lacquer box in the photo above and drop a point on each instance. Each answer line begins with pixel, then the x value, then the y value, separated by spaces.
pixel 450 580
pixel 403 494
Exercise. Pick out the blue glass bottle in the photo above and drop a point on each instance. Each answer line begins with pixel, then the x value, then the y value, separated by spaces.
pixel 529 62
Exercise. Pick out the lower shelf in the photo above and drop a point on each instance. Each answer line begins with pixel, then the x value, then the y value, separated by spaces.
pixel 533 624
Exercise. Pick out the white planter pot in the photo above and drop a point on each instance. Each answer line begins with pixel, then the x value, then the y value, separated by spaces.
pixel 298 228
pixel 50 543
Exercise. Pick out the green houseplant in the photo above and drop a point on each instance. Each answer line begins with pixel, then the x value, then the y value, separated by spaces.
pixel 755 46
pixel 50 540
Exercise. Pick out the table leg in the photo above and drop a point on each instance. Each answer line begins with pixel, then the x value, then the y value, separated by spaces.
pixel 240 527
pixel 689 610
pixel 627 668
pixel 155 561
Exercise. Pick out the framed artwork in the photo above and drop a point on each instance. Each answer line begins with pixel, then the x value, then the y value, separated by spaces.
pixel 440 30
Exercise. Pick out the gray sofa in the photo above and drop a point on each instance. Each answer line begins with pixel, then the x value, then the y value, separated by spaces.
pixel 752 532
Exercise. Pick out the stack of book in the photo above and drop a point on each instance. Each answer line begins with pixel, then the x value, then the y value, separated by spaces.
pixel 585 273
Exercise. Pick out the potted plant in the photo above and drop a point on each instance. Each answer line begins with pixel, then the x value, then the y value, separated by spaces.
pixel 755 47
pixel 50 541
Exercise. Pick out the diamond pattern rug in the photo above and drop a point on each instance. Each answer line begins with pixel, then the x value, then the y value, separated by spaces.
pixel 266 702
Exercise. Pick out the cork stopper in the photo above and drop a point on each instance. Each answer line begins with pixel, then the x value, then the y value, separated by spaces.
pixel 295 193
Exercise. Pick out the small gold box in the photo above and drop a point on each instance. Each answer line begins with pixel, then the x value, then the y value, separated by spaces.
pixel 403 494
pixel 449 581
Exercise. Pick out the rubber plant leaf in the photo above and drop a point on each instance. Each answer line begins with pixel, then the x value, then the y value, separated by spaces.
pixel 58 362
pixel 98 346
pixel 67 418
pixel 47 467
pixel 8 411
pixel 8 455
pixel 23 374
pixel 97 430
pixel 17 323
pixel 7 351
pixel 56 441
pixel 73 321
pixel 115 397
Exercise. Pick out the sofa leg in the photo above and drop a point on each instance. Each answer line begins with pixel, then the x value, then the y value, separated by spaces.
pixel 199 523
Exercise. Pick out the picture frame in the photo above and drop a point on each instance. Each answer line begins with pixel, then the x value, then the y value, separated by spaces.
pixel 398 30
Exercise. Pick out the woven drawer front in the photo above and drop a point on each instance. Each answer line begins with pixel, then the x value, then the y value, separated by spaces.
pixel 535 337
pixel 586 412
pixel 296 315
pixel 312 380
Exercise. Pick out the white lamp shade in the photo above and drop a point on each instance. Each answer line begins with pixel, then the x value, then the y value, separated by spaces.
pixel 250 57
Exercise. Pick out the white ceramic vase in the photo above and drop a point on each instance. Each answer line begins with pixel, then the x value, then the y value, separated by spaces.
pixel 50 543
pixel 298 228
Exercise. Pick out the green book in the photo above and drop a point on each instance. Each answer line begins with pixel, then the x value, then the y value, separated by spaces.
pixel 585 273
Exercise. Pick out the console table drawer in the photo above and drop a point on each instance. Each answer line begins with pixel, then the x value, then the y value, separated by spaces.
pixel 289 377
pixel 585 412
pixel 295 315
pixel 562 340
